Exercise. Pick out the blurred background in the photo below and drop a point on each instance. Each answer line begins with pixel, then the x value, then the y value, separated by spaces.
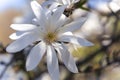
pixel 98 62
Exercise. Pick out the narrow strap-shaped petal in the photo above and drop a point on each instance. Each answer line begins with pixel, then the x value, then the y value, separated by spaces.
pixel 75 40
pixel 35 56
pixel 23 27
pixel 64 2
pixel 47 3
pixel 69 39
pixel 22 42
pixel 67 58
pixel 84 42
pixel 57 13
pixel 53 19
pixel 39 12
pixel 52 63
pixel 61 21
pixel 17 35
pixel 54 5
pixel 65 37
pixel 73 26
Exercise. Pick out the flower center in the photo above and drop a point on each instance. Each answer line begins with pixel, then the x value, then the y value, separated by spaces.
pixel 50 37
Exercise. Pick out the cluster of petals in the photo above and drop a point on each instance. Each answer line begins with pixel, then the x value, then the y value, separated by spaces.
pixel 51 30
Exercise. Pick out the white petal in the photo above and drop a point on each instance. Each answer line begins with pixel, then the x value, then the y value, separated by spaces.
pixel 64 2
pixel 62 20
pixel 67 59
pixel 84 42
pixel 35 22
pixel 57 24
pixel 57 14
pixel 54 5
pixel 75 40
pixel 39 12
pixel 66 38
pixel 21 43
pixel 68 2
pixel 23 27
pixel 17 35
pixel 47 3
pixel 52 63
pixel 35 56
pixel 73 26
pixel 54 18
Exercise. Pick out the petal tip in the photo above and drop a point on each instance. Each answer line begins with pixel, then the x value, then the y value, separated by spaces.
pixel 34 3
pixel 9 50
pixel 29 68
pixel 90 44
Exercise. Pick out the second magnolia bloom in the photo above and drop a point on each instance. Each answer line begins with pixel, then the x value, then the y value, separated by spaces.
pixel 52 30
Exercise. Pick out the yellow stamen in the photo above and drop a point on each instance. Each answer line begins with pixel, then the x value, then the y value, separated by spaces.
pixel 50 37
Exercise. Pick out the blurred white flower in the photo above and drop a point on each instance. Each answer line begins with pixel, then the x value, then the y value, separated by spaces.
pixel 51 32
pixel 114 5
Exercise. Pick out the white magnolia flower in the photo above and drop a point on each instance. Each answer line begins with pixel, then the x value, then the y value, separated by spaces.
pixel 52 31
pixel 55 3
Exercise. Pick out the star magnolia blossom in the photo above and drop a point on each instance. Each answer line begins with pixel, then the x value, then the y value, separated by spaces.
pixel 51 32
pixel 55 3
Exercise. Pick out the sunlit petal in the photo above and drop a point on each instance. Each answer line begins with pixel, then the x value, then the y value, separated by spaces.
pixel 67 59
pixel 73 26
pixel 16 35
pixel 39 12
pixel 23 27
pixel 52 63
pixel 75 40
pixel 21 43
pixel 35 56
